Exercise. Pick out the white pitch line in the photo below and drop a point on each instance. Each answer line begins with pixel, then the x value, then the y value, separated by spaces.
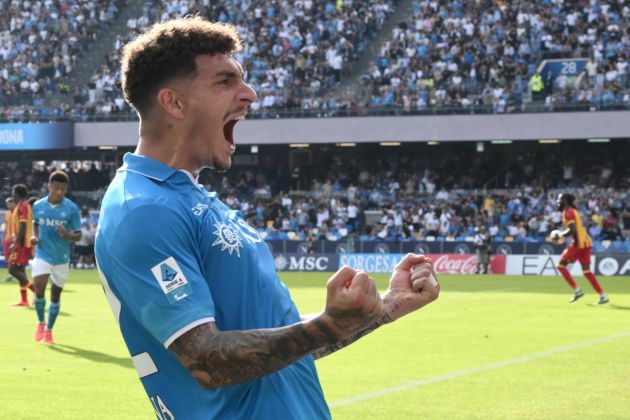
pixel 471 371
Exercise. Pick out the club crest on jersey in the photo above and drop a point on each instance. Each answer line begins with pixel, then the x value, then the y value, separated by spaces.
pixel 228 238
pixel 172 280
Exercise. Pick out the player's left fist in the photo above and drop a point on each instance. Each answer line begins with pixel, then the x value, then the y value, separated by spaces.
pixel 34 240
pixel 413 285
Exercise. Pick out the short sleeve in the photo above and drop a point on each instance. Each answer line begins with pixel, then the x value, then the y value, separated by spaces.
pixel 569 216
pixel 74 224
pixel 156 271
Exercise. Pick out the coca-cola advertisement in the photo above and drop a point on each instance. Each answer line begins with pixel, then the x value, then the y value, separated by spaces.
pixel 443 263
pixel 465 263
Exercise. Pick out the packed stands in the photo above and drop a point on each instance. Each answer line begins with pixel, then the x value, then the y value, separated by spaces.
pixel 372 193
pixel 461 56
pixel 40 43
pixel 467 55
pixel 294 51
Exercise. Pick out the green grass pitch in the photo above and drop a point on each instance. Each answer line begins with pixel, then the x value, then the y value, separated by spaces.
pixel 490 347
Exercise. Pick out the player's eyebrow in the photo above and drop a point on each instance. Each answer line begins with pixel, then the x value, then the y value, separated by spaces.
pixel 227 74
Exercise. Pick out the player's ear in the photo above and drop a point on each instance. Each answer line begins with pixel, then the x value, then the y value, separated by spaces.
pixel 169 100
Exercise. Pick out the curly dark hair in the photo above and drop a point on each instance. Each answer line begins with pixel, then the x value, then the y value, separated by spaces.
pixel 168 50
pixel 59 176
pixel 20 191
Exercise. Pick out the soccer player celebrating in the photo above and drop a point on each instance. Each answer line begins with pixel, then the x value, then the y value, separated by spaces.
pixel 212 330
pixel 57 224
pixel 578 250
pixel 21 250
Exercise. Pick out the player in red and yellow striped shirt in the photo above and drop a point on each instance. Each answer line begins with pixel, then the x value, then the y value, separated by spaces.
pixel 578 250
pixel 21 249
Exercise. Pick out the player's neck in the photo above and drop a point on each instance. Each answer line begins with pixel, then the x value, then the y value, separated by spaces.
pixel 167 147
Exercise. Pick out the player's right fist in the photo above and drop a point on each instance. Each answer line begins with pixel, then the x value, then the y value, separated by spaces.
pixel 352 300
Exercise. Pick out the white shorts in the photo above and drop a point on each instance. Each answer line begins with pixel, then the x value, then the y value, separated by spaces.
pixel 58 273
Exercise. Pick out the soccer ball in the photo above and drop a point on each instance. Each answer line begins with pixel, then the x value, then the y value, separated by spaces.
pixel 555 235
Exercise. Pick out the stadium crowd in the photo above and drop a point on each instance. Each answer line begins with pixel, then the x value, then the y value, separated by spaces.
pixel 459 56
pixel 40 44
pixel 401 198
pixel 465 54
pixel 292 49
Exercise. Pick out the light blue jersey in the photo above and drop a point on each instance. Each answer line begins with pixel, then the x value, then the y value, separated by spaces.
pixel 52 248
pixel 172 256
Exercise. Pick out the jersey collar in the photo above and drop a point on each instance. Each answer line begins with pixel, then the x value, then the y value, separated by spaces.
pixel 147 167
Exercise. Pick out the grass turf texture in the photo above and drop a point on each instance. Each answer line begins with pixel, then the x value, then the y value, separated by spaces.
pixel 490 347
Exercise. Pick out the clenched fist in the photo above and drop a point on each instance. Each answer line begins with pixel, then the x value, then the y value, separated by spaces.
pixel 413 285
pixel 352 301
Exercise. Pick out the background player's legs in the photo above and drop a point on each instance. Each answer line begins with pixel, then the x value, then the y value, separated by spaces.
pixel 53 311
pixel 562 268
pixel 7 258
pixel 40 304
pixel 19 272
pixel 591 278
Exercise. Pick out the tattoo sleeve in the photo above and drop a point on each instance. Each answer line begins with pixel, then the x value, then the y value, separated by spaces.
pixel 221 358
pixel 329 349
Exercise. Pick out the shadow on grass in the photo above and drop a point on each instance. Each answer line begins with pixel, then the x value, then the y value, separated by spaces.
pixel 619 307
pixel 93 356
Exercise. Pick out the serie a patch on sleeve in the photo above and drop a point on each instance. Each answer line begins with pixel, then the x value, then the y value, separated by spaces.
pixel 171 279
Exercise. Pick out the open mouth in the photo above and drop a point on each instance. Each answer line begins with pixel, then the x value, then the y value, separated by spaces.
pixel 228 131
pixel 228 128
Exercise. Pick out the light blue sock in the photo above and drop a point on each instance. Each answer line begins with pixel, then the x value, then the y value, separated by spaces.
pixel 53 311
pixel 40 307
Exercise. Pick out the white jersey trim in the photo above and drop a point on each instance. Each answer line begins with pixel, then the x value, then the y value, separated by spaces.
pixel 194 180
pixel 185 329
pixel 114 303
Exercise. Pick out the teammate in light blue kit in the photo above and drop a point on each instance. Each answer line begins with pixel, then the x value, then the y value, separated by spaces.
pixel 211 329
pixel 56 221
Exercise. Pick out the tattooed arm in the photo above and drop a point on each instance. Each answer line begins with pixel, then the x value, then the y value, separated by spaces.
pixel 221 358
pixel 353 309
pixel 329 349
